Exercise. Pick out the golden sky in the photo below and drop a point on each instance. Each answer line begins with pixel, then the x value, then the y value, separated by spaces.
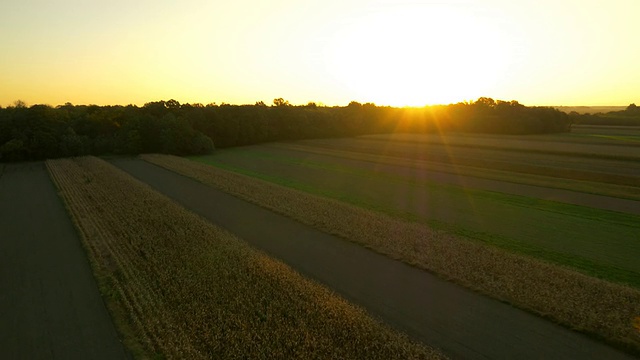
pixel 539 52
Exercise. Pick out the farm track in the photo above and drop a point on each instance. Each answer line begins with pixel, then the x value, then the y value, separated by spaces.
pixel 50 304
pixel 460 322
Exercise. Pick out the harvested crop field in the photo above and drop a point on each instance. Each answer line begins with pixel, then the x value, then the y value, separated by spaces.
pixel 192 290
pixel 577 301
pixel 461 323
pixel 50 305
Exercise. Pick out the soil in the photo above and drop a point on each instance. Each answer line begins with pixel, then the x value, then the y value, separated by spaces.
pixel 50 305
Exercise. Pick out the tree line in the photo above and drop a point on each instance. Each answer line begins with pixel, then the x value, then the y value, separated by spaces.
pixel 41 131
pixel 627 117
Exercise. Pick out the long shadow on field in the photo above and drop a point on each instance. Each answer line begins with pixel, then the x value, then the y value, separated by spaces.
pixel 50 306
pixel 461 323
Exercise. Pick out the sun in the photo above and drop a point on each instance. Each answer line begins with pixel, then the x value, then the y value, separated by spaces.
pixel 416 55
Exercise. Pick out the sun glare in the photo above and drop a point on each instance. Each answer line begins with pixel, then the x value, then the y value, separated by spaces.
pixel 417 55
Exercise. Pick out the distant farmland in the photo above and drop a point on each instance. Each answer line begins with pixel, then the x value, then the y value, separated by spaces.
pixel 589 109
pixel 494 194
pixel 444 184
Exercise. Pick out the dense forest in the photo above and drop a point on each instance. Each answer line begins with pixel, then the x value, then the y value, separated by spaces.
pixel 41 131
pixel 628 117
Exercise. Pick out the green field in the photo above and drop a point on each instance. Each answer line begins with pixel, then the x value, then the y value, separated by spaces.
pixel 593 140
pixel 596 241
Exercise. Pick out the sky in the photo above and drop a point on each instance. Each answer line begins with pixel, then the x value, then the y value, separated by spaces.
pixel 119 52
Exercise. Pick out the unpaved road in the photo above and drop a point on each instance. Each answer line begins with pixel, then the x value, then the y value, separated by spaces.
pixel 50 306
pixel 463 324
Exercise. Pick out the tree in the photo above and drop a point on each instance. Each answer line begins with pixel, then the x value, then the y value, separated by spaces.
pixel 172 104
pixel 13 150
pixel 19 104
pixel 73 145
pixel 486 101
pixel 280 102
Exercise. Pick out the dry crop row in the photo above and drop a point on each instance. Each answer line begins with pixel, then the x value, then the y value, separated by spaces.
pixel 594 306
pixel 192 290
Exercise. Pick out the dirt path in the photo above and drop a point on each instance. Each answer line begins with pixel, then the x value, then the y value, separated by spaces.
pixel 50 306
pixel 460 322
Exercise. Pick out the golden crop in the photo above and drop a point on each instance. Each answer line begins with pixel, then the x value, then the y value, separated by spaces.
pixel 191 290
pixel 570 298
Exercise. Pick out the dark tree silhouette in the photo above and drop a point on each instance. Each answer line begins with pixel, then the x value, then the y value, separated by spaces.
pixel 40 131
pixel 280 102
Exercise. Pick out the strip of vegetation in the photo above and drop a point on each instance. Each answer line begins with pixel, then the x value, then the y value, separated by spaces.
pixel 583 303
pixel 192 290
pixel 587 266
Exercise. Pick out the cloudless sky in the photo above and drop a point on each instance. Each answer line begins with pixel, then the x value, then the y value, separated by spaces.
pixel 539 52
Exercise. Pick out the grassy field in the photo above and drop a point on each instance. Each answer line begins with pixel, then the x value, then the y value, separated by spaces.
pixel 603 142
pixel 581 302
pixel 184 288
pixel 575 166
pixel 547 181
pixel 629 135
